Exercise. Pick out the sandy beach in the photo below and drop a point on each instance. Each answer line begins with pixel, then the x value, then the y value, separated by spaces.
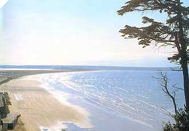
pixel 40 109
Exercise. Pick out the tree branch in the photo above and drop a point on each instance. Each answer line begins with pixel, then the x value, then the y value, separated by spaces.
pixel 164 85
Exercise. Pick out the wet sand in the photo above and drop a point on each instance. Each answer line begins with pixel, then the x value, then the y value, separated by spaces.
pixel 40 109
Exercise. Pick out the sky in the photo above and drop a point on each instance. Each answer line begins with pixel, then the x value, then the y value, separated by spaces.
pixel 72 32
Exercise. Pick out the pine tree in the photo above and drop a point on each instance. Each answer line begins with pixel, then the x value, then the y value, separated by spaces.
pixel 173 32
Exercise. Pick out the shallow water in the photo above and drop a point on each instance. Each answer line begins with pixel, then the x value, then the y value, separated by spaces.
pixel 117 100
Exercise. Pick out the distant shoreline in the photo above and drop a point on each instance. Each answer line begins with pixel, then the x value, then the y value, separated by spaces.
pixel 9 74
pixel 76 68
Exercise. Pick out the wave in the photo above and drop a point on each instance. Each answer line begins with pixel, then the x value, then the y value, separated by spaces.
pixel 123 94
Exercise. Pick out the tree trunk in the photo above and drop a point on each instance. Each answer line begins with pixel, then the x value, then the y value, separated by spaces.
pixel 186 81
pixel 184 56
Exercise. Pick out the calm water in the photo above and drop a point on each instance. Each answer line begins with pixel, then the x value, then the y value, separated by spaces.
pixel 119 100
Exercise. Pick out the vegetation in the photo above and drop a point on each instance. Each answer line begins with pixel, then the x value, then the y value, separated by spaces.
pixel 181 122
pixel 181 116
pixel 173 33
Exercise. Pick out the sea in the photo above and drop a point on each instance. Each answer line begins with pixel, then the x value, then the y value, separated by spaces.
pixel 117 98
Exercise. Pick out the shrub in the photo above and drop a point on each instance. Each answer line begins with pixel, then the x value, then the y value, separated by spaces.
pixel 181 122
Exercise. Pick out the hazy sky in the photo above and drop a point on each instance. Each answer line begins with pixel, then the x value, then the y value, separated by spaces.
pixel 72 32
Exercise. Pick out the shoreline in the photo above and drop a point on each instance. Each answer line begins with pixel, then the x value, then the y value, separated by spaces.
pixel 67 86
pixel 34 103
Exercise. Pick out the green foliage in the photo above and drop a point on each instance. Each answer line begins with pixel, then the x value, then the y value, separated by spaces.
pixel 174 32
pixel 181 122
pixel 169 127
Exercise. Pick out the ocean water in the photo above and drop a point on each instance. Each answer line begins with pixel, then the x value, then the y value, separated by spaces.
pixel 118 100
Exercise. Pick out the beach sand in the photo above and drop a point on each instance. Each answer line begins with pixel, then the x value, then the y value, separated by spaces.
pixel 40 109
